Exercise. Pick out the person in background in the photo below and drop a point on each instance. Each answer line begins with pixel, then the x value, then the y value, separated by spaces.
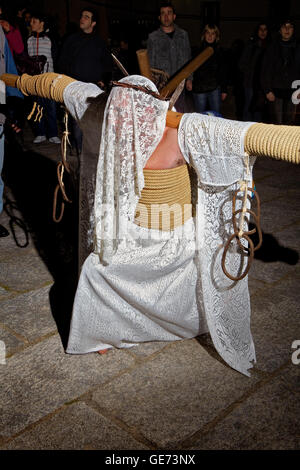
pixel 250 65
pixel 210 80
pixel 15 103
pixel 20 21
pixel 39 43
pixel 84 56
pixel 281 67
pixel 12 34
pixel 235 76
pixel 7 65
pixel 169 48
pixel 27 18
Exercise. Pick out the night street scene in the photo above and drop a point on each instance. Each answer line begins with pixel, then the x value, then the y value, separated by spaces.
pixel 149 229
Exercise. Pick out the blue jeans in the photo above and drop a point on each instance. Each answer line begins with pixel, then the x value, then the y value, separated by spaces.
pixel 209 101
pixel 1 165
pixel 47 125
pixel 282 111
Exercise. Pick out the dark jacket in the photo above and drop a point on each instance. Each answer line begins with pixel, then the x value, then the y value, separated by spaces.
pixel 281 66
pixel 251 63
pixel 85 57
pixel 166 53
pixel 213 73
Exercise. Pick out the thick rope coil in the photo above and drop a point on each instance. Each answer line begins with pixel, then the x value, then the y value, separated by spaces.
pixel 275 141
pixel 165 201
pixel 47 85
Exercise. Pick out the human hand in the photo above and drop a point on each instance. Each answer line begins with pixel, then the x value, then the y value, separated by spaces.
pixel 189 85
pixel 223 96
pixel 270 96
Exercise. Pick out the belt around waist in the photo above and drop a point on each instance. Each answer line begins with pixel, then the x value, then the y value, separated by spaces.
pixel 165 201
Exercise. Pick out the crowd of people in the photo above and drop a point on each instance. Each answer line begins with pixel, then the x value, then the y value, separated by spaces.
pixel 267 65
pixel 260 73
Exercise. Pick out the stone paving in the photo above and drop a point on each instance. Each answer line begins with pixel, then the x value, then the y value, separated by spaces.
pixel 177 395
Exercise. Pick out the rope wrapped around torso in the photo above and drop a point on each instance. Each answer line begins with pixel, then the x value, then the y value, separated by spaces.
pixel 165 202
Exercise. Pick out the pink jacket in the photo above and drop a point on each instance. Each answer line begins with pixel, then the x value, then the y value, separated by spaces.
pixel 15 41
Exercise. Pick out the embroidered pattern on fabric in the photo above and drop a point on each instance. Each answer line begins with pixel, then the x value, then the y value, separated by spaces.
pixel 219 166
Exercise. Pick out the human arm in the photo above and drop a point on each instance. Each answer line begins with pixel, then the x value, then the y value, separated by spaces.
pixel 151 50
pixel 223 72
pixel 267 73
pixel 76 96
pixel 10 67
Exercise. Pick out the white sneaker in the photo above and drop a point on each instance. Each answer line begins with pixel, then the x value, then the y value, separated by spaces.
pixel 54 140
pixel 39 139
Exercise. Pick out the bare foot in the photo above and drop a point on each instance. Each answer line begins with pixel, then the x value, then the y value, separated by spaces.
pixel 103 351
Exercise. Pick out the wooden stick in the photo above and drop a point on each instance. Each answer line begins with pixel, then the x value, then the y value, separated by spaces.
pixel 186 71
pixel 9 79
pixel 173 119
pixel 144 64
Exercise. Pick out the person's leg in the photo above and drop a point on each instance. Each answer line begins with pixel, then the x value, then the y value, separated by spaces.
pixel 288 112
pixel 51 122
pixel 276 111
pixel 257 116
pixel 247 115
pixel 214 100
pixel 200 102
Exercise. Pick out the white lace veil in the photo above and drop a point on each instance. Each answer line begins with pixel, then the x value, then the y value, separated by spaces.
pixel 133 125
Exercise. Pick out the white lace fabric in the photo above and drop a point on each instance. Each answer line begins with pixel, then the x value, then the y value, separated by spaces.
pixel 136 290
pixel 133 125
pixel 214 147
pixel 76 96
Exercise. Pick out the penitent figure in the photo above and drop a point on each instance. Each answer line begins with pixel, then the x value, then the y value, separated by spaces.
pixel 161 215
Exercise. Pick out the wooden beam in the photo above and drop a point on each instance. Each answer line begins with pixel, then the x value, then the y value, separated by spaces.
pixel 186 71
pixel 144 64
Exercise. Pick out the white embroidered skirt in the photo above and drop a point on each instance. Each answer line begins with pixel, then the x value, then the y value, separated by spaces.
pixel 148 293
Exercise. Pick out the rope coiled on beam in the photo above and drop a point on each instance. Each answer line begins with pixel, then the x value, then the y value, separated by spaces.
pixel 47 85
pixel 275 141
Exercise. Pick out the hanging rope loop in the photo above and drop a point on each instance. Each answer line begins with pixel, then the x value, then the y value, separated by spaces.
pixel 61 167
pixel 239 232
